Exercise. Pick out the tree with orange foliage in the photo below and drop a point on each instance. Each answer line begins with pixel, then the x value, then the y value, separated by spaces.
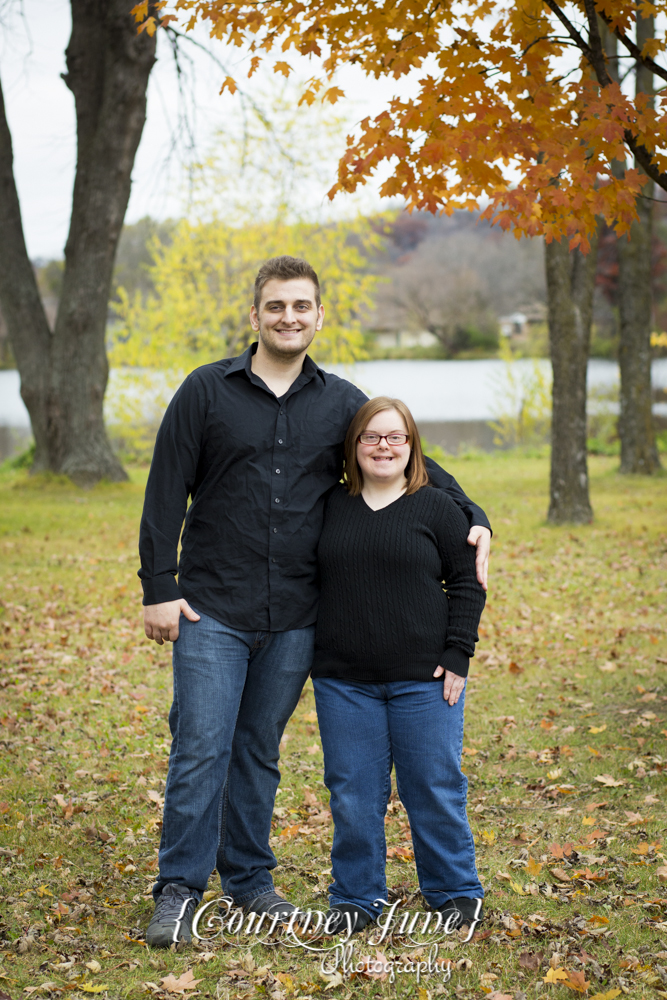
pixel 517 113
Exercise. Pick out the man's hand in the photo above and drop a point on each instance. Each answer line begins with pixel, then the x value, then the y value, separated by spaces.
pixel 453 687
pixel 481 538
pixel 161 620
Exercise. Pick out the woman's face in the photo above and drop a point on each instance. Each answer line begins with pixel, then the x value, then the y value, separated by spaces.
pixel 382 462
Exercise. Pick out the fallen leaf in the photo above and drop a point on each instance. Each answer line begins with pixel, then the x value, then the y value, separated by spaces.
pixel 561 875
pixel 155 797
pixel 92 988
pixel 597 729
pixel 531 960
pixel 94 966
pixel 310 717
pixel 662 874
pixel 609 995
pixel 554 976
pixel 514 668
pixel 634 819
pixel 333 980
pixel 315 748
pixel 286 980
pixel 559 852
pixel 533 867
pixel 375 968
pixel 577 981
pixel 488 837
pixel 608 781
pixel 607 668
pixel 470 751
pixel 184 982
pixel 546 724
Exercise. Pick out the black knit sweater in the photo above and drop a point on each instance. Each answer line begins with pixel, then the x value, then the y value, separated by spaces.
pixel 383 614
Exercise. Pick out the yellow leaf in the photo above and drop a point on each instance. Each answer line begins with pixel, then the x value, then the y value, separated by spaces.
pixel 588 821
pixel 554 976
pixel 43 891
pixel 92 988
pixel 597 729
pixel 518 888
pixel 533 867
pixel 609 995
pixel 488 837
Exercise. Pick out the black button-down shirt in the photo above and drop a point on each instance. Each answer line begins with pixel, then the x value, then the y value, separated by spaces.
pixel 258 469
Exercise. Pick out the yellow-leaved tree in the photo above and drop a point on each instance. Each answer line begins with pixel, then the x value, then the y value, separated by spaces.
pixel 203 277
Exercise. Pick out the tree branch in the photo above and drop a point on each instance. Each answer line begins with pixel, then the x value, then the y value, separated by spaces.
pixel 593 50
pixel 634 50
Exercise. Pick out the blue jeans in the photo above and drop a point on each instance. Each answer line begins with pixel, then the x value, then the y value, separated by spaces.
pixel 233 695
pixel 365 728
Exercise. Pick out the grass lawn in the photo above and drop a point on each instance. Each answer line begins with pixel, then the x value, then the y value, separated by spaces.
pixel 565 752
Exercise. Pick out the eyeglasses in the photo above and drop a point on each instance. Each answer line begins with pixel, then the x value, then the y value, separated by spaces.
pixel 394 440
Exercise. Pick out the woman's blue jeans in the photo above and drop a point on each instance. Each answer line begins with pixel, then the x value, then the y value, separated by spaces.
pixel 234 693
pixel 365 728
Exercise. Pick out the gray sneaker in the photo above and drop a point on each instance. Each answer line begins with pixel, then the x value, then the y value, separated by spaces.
pixel 171 922
pixel 272 904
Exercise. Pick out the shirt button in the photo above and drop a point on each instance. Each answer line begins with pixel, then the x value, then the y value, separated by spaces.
pixel 280 440
pixel 274 530
pixel 277 500
pixel 273 560
pixel 278 471
pixel 281 413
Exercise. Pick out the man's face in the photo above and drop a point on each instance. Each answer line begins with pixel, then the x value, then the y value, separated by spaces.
pixel 288 316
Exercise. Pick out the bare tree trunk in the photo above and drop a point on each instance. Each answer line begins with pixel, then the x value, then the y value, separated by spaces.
pixel 570 283
pixel 639 452
pixel 64 372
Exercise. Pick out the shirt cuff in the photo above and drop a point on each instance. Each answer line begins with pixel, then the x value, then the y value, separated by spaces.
pixel 456 660
pixel 160 589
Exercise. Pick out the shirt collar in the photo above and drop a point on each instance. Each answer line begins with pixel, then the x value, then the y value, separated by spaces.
pixel 244 363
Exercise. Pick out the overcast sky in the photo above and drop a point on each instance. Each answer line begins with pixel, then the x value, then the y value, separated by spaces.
pixel 40 110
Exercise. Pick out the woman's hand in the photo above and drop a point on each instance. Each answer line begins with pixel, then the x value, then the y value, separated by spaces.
pixel 480 537
pixel 453 687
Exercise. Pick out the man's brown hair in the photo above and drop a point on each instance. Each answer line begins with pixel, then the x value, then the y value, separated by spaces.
pixel 284 269
pixel 415 471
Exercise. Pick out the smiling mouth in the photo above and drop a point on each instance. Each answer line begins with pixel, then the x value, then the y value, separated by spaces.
pixel 383 458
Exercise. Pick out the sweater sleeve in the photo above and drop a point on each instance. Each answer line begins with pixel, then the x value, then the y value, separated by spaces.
pixel 170 482
pixel 465 596
pixel 444 481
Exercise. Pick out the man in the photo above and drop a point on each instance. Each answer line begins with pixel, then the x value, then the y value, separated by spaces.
pixel 256 442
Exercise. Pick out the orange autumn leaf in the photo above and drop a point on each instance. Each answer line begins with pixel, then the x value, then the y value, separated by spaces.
pixel 517 116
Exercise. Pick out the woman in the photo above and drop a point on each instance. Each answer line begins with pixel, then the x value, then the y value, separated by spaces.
pixel 386 632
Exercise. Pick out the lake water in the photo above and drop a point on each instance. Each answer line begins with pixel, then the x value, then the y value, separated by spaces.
pixel 464 393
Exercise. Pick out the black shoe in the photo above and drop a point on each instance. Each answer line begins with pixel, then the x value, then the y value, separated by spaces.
pixel 345 918
pixel 462 911
pixel 272 904
pixel 171 922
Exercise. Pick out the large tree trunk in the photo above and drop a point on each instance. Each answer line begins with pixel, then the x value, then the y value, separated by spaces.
pixel 636 431
pixel 64 372
pixel 570 283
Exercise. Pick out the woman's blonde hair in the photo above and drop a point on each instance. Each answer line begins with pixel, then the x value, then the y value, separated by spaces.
pixel 415 471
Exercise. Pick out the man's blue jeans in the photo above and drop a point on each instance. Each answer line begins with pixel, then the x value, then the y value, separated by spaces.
pixel 233 695
pixel 365 728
